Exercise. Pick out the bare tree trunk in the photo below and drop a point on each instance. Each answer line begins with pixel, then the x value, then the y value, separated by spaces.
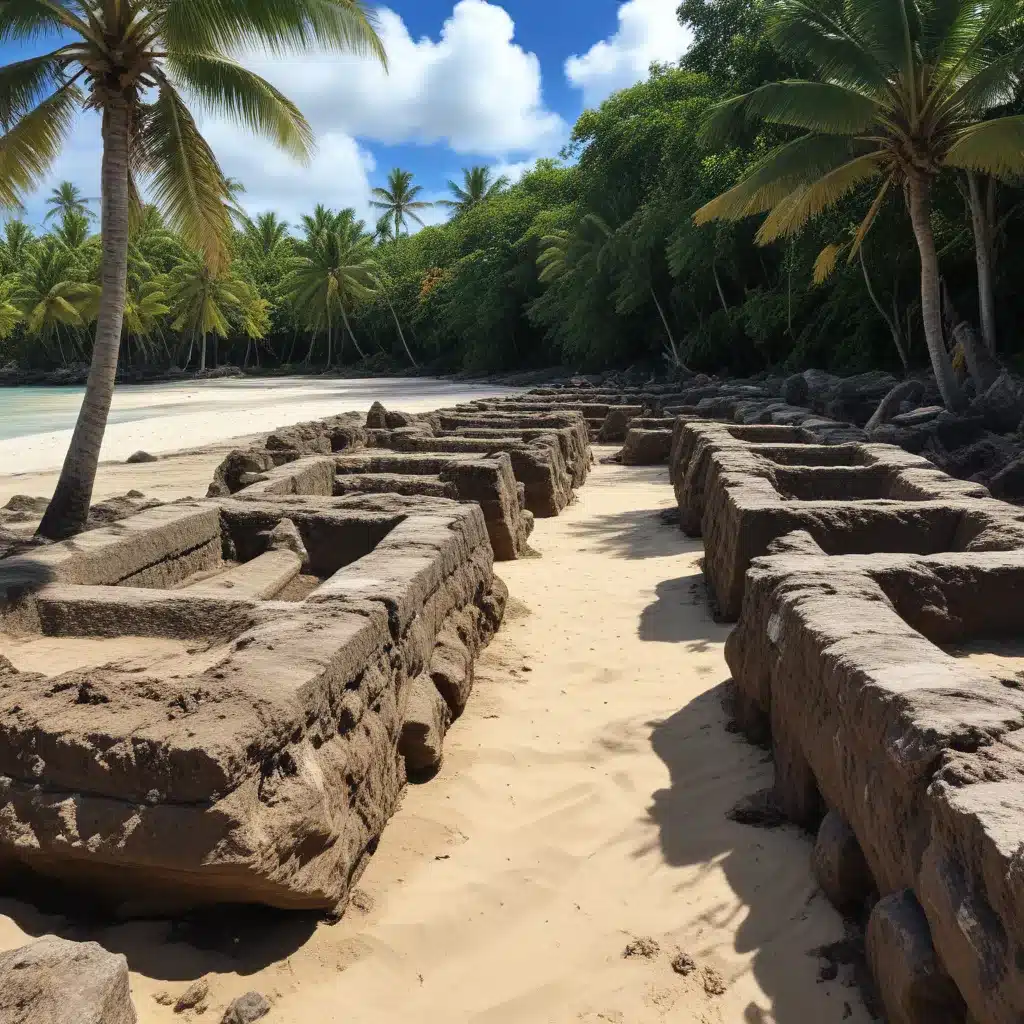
pixel 668 330
pixel 400 334
pixel 890 323
pixel 328 336
pixel 348 327
pixel 245 360
pixel 931 300
pixel 983 255
pixel 69 508
pixel 202 354
pixel 718 285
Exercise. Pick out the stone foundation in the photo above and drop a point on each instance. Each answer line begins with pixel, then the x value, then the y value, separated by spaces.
pixel 216 701
pixel 891 686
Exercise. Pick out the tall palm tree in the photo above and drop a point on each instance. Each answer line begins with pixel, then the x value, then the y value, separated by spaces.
pixel 203 301
pixel 264 235
pixel 399 202
pixel 51 293
pixel 129 59
pixel 67 199
pixel 334 269
pixel 904 87
pixel 17 242
pixel 477 187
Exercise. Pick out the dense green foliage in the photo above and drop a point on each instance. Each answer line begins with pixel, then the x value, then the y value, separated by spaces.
pixel 592 261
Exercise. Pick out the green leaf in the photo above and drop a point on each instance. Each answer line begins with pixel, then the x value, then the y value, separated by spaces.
pixel 186 180
pixel 29 148
pixel 276 26
pixel 223 86
pixel 807 201
pixel 992 147
pixel 785 169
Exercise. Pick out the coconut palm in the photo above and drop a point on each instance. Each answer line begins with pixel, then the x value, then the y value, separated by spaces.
pixel 144 307
pixel 904 87
pixel 134 61
pixel 334 269
pixel 67 199
pixel 51 293
pixel 478 185
pixel 205 301
pixel 18 240
pixel 10 315
pixel 265 235
pixel 399 202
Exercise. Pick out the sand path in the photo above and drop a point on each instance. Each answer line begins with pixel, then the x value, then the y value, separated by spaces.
pixel 582 805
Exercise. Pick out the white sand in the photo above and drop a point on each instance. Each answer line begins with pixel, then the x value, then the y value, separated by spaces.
pixel 171 417
pixel 582 803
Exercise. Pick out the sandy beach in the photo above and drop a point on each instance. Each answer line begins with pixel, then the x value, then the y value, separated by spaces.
pixel 580 812
pixel 176 418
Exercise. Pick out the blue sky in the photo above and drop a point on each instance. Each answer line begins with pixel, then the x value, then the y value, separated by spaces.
pixel 496 82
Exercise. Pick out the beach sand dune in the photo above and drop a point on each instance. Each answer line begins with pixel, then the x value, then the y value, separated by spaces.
pixel 575 843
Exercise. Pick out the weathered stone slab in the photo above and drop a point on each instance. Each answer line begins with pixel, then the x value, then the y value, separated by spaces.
pixel 233 739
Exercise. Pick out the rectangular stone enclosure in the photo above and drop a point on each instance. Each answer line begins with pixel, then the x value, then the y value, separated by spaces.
pixel 852 498
pixel 217 701
pixel 892 688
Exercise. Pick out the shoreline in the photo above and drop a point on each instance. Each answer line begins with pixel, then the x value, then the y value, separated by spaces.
pixel 192 422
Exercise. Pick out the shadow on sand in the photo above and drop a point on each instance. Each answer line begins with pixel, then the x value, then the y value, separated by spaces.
pixel 235 939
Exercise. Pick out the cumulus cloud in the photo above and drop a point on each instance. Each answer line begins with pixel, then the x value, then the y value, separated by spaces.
pixel 648 31
pixel 472 88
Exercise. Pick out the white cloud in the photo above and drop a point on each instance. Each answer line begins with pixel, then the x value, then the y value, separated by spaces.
pixel 473 88
pixel 648 31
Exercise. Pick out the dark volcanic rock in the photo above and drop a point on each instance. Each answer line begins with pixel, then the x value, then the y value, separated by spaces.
pixel 140 456
pixel 1001 407
pixel 1008 483
pixel 245 1009
pixel 377 417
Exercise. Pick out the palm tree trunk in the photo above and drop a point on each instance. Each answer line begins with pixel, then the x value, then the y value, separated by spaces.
pixel 69 508
pixel 931 299
pixel 668 330
pixel 890 323
pixel 328 336
pixel 202 354
pixel 348 327
pixel 983 256
pixel 400 334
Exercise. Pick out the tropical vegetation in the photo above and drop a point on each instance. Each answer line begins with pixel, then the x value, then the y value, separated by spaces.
pixel 834 183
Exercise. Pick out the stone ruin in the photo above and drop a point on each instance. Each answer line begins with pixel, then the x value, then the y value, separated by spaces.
pixel 221 700
pixel 879 650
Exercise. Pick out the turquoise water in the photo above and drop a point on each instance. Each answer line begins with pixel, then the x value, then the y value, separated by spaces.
pixel 26 411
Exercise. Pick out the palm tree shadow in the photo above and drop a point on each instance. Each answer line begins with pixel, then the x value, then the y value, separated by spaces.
pixel 707 777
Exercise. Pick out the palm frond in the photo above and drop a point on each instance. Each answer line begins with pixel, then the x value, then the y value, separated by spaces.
pixel 995 83
pixel 24 83
pixel 275 26
pixel 782 171
pixel 816 106
pixel 825 264
pixel 30 19
pixel 807 201
pixel 187 182
pixel 29 148
pixel 869 218
pixel 993 147
pixel 224 86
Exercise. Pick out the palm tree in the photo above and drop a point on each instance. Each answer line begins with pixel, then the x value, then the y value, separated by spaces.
pixel 67 199
pixel 10 315
pixel 145 305
pixel 128 59
pixel 264 235
pixel 399 202
pixel 17 242
pixel 321 220
pixel 903 88
pixel 591 238
pixel 51 293
pixel 235 189
pixel 334 268
pixel 202 301
pixel 477 187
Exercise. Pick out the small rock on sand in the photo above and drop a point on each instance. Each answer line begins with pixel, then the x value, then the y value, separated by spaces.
pixel 140 456
pixel 195 994
pixel 245 1009
pixel 714 983
pixel 684 964
pixel 644 947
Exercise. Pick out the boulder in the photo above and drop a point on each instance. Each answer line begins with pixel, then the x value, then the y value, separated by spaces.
pixel 839 865
pixel 646 447
pixel 245 1009
pixel 427 718
pixel 1008 483
pixel 394 420
pixel 140 456
pixel 910 979
pixel 795 390
pixel 377 417
pixel 55 981
pixel 1001 407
